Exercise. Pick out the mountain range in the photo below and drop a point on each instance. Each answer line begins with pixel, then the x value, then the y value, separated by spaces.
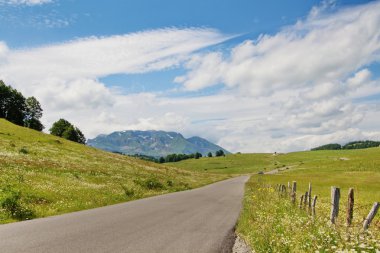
pixel 153 143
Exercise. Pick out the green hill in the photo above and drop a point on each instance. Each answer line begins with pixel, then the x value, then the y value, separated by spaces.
pixel 42 175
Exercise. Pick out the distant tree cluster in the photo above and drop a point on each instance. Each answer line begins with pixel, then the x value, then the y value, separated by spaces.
pixel 65 129
pixel 142 157
pixel 361 144
pixel 19 110
pixel 179 157
pixel 350 145
pixel 219 153
pixel 331 146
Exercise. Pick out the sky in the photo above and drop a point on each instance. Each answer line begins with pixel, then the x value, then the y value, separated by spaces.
pixel 249 75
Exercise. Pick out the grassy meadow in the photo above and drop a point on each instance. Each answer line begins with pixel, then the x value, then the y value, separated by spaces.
pixel 271 223
pixel 43 175
pixel 230 164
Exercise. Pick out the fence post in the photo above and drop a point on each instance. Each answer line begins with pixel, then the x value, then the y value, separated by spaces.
pixel 350 206
pixel 294 192
pixel 313 205
pixel 309 199
pixel 306 198
pixel 371 215
pixel 301 201
pixel 335 196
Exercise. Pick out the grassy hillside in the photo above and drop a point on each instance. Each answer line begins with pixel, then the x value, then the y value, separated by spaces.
pixel 270 223
pixel 42 175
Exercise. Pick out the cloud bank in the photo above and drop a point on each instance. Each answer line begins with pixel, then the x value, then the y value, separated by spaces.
pixel 304 86
pixel 25 2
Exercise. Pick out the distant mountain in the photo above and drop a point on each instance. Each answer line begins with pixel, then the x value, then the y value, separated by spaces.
pixel 153 143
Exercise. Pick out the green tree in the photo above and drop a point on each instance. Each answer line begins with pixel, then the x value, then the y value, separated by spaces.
pixel 33 113
pixel 219 153
pixel 65 129
pixel 12 104
pixel 209 154
pixel 59 127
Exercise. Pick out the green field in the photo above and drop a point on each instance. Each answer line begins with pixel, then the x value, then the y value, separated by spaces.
pixel 270 223
pixel 42 175
pixel 230 164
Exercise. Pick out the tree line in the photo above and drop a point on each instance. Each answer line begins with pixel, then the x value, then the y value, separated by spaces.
pixel 27 112
pixel 19 110
pixel 174 157
pixel 350 145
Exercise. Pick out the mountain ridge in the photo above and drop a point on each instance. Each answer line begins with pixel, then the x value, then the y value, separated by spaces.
pixel 152 143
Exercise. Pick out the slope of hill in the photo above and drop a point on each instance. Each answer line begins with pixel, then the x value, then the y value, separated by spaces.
pixel 152 143
pixel 42 175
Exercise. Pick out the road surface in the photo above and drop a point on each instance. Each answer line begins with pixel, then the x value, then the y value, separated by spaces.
pixel 200 220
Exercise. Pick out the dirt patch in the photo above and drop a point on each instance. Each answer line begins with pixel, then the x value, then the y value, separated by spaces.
pixel 240 246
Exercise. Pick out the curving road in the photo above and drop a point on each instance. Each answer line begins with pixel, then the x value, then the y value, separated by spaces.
pixel 200 220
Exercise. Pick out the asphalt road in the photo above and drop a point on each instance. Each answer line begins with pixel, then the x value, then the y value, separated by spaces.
pixel 200 220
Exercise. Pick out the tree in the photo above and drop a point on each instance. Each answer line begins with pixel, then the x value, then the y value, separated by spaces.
pixel 209 154
pixel 18 110
pixel 65 129
pixel 219 153
pixel 198 155
pixel 12 104
pixel 33 113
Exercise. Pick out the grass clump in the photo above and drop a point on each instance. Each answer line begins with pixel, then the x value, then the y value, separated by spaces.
pixel 153 183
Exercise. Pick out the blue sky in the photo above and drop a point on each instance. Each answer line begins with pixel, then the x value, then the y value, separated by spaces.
pixel 235 72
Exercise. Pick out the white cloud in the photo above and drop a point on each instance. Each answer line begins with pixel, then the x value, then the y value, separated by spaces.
pixel 361 77
pixel 25 2
pixel 101 56
pixel 289 91
pixel 308 75
pixel 317 50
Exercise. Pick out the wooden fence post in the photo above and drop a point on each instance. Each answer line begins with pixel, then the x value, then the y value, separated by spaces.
pixel 350 206
pixel 294 192
pixel 371 215
pixel 335 196
pixel 283 190
pixel 301 201
pixel 309 199
pixel 306 198
pixel 313 205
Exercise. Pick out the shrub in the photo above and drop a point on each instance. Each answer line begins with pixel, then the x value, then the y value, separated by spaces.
pixel 170 183
pixel 23 150
pixel 15 209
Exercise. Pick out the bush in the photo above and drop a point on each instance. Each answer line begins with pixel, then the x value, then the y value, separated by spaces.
pixel 24 150
pixel 15 209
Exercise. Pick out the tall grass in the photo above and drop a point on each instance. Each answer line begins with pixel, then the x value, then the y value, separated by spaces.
pixel 270 222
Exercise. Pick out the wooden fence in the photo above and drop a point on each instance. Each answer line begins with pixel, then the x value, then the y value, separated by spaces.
pixel 306 200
